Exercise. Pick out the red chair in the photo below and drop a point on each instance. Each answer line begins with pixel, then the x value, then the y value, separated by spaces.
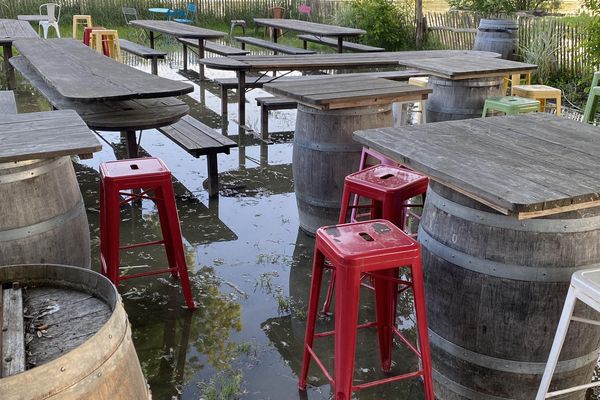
pixel 153 178
pixel 377 248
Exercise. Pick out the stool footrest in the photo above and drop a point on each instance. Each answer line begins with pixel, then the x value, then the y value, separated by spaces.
pixel 136 245
pixel 149 273
pixel 387 380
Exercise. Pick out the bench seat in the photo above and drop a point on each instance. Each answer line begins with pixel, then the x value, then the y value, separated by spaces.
pixel 267 104
pixel 144 52
pixel 8 104
pixel 211 47
pixel 279 48
pixel 326 41
pixel 199 139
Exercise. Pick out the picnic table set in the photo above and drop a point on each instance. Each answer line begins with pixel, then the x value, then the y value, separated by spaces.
pixel 509 224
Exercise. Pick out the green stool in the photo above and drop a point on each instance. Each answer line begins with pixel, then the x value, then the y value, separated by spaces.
pixel 591 107
pixel 510 105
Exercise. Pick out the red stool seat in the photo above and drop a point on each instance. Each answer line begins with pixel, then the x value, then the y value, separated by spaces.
pixel 153 178
pixel 377 248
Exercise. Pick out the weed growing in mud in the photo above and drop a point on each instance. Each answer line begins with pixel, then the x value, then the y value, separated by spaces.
pixel 224 386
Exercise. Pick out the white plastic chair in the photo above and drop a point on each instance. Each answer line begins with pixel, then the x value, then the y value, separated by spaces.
pixel 585 287
pixel 53 13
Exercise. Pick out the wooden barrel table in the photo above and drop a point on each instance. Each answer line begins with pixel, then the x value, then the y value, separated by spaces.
pixel 495 289
pixel 324 153
pixel 42 218
pixel 80 343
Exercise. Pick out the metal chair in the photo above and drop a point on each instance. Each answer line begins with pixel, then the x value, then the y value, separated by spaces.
pixel 130 14
pixel 304 9
pixel 591 107
pixel 189 16
pixel 585 287
pixel 52 10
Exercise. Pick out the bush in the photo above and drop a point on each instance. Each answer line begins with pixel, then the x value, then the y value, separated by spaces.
pixel 504 6
pixel 541 51
pixel 592 43
pixel 388 24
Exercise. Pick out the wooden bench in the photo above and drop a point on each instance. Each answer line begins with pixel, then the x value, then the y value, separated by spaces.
pixel 267 104
pixel 276 47
pixel 199 139
pixel 361 48
pixel 211 47
pixel 12 336
pixel 144 52
pixel 8 104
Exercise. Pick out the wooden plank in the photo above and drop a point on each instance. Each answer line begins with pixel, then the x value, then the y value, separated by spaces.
pixel 177 29
pixel 11 30
pixel 79 73
pixel 345 45
pixel 13 334
pixel 272 46
pixel 8 104
pixel 468 67
pixel 140 50
pixel 197 138
pixel 308 27
pixel 216 48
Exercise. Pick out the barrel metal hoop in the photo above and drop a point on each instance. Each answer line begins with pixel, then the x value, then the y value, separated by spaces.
pixel 463 390
pixel 44 226
pixel 362 110
pixel 328 147
pixel 510 366
pixel 43 168
pixel 317 202
pixel 449 110
pixel 498 269
pixel 501 221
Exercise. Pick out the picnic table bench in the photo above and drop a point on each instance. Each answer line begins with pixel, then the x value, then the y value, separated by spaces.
pixel 276 47
pixel 361 48
pixel 212 47
pixel 199 139
pixel 8 104
pixel 144 52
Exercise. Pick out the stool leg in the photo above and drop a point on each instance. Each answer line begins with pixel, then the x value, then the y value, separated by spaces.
pixel 166 229
pixel 558 105
pixel 103 233
pixel 386 293
pixel 112 236
pixel 330 292
pixel 542 105
pixel 346 318
pixel 559 339
pixel 344 204
pixel 394 211
pixel 313 309
pixel 422 331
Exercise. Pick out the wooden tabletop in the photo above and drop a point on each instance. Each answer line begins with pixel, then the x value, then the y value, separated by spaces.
pixel 79 73
pixel 120 115
pixel 44 135
pixel 177 29
pixel 332 61
pixel 346 92
pixel 32 18
pixel 467 67
pixel 11 30
pixel 529 165
pixel 309 27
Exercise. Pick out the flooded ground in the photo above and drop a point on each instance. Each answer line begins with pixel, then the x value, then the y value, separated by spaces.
pixel 249 263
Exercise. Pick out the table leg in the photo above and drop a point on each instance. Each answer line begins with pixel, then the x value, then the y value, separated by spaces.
pixel 241 101
pixel 132 147
pixel 10 71
pixel 201 56
pixel 185 60
pixel 340 46
pixel 154 66
pixel 151 37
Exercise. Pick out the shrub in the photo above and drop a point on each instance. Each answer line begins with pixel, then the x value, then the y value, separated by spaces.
pixel 504 6
pixel 541 51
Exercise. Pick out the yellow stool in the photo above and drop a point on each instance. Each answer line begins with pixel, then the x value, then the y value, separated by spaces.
pixel 514 80
pixel 111 38
pixel 81 20
pixel 422 81
pixel 539 92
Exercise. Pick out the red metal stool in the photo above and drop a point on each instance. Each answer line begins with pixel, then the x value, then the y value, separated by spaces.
pixel 389 188
pixel 377 248
pixel 151 176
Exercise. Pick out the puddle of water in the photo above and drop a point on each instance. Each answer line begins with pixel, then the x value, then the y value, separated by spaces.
pixel 249 263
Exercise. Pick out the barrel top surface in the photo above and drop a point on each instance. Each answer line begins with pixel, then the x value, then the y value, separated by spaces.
pixel 44 135
pixel 530 165
pixel 468 67
pixel 347 92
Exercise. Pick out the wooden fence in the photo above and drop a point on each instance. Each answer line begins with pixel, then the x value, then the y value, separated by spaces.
pixel 456 30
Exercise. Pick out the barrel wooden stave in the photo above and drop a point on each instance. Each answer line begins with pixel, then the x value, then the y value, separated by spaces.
pixel 105 366
pixel 324 153
pixel 492 332
pixel 498 36
pixel 460 99
pixel 42 218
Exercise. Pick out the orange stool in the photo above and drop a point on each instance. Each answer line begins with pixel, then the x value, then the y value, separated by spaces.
pixel 377 248
pixel 81 20
pixel 87 34
pixel 151 176
pixel 106 41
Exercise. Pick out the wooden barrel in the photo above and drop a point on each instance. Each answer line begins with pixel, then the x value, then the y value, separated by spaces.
pixel 460 99
pixel 324 153
pixel 103 366
pixel 42 217
pixel 495 289
pixel 498 36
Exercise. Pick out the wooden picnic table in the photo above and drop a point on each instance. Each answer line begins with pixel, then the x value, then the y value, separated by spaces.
pixel 180 31
pixel 11 30
pixel 329 111
pixel 512 211
pixel 108 95
pixel 244 64
pixel 461 84
pixel 320 30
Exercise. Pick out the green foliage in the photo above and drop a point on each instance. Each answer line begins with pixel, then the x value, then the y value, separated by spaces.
pixel 592 43
pixel 541 51
pixel 388 24
pixel 504 6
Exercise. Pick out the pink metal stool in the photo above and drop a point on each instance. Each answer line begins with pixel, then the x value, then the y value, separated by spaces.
pixel 377 248
pixel 367 152
pixel 151 176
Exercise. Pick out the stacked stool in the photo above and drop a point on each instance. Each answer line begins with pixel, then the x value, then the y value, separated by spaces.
pixel 510 105
pixel 146 178
pixel 81 20
pixel 539 92
pixel 514 80
pixel 106 41
pixel 377 248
